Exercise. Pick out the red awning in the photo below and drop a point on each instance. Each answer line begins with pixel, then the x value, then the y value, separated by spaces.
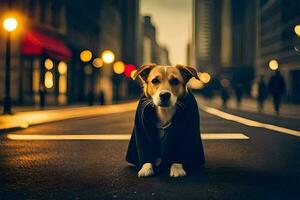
pixel 36 43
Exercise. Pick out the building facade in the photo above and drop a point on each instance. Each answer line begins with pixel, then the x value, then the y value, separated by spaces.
pixel 39 54
pixel 223 41
pixel 152 51
pixel 51 35
pixel 277 40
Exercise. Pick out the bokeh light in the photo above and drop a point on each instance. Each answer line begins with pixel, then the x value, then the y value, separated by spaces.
pixel 86 55
pixel 132 74
pixel 297 30
pixel 128 69
pixel 225 83
pixel 10 24
pixel 88 69
pixel 97 62
pixel 204 77
pixel 108 56
pixel 62 88
pixel 62 67
pixel 49 64
pixel 273 64
pixel 119 67
pixel 48 80
pixel 195 84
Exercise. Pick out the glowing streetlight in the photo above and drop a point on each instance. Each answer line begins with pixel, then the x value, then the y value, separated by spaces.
pixel 273 64
pixel 297 30
pixel 48 80
pixel 86 55
pixel 97 62
pixel 49 64
pixel 62 68
pixel 10 24
pixel 108 56
pixel 119 67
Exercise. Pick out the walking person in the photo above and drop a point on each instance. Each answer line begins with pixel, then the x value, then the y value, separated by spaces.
pixel 277 89
pixel 101 97
pixel 224 93
pixel 262 94
pixel 238 94
pixel 225 96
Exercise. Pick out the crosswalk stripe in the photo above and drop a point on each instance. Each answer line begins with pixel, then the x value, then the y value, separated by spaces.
pixel 204 136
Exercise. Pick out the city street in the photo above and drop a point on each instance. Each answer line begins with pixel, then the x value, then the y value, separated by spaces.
pixel 71 72
pixel 83 158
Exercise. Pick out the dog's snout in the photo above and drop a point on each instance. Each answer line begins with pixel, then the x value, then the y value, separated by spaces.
pixel 165 96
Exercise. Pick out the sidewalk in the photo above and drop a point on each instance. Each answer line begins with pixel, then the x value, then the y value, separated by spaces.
pixel 250 105
pixel 23 119
pixel 17 109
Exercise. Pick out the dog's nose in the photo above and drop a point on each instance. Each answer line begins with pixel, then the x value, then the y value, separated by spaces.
pixel 165 96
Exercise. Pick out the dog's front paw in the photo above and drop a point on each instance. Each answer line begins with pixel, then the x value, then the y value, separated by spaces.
pixel 147 170
pixel 177 170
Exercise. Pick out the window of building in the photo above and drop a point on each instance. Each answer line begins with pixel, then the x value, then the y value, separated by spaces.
pixel 56 9
pixel 32 7
pixel 43 11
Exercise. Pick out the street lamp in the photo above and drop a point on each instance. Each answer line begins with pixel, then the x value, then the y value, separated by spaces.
pixel 97 62
pixel 119 67
pixel 273 64
pixel 10 24
pixel 86 55
pixel 108 56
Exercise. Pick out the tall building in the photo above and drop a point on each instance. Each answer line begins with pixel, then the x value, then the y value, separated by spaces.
pixel 277 40
pixel 104 25
pixel 224 38
pixel 206 37
pixel 46 48
pixel 39 53
pixel 152 51
pixel 83 33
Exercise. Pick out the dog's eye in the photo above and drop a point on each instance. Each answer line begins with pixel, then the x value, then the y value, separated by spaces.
pixel 174 81
pixel 155 81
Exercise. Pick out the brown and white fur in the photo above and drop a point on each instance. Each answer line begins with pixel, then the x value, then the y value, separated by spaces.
pixel 164 85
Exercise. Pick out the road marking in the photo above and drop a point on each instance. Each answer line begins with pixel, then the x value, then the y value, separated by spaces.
pixel 204 136
pixel 249 122
pixel 224 136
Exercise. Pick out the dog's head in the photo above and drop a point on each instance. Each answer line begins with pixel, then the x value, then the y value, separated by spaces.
pixel 165 84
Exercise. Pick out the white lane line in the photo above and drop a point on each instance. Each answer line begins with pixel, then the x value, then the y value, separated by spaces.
pixel 204 136
pixel 224 136
pixel 249 122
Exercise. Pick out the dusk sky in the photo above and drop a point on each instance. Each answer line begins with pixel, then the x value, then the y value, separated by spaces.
pixel 172 19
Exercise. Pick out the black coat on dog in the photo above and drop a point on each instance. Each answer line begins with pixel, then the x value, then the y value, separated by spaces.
pixel 181 142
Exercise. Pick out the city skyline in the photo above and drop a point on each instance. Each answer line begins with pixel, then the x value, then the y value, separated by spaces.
pixel 173 19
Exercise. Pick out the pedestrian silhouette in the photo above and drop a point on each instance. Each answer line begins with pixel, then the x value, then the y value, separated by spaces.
pixel 42 94
pixel 224 96
pixel 277 89
pixel 238 89
pixel 90 98
pixel 101 97
pixel 262 93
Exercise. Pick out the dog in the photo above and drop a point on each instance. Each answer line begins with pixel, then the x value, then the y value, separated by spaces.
pixel 166 133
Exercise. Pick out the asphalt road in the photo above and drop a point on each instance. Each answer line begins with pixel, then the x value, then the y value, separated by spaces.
pixel 265 166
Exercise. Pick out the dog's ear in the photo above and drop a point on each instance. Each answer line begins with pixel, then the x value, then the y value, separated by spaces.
pixel 144 71
pixel 187 72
